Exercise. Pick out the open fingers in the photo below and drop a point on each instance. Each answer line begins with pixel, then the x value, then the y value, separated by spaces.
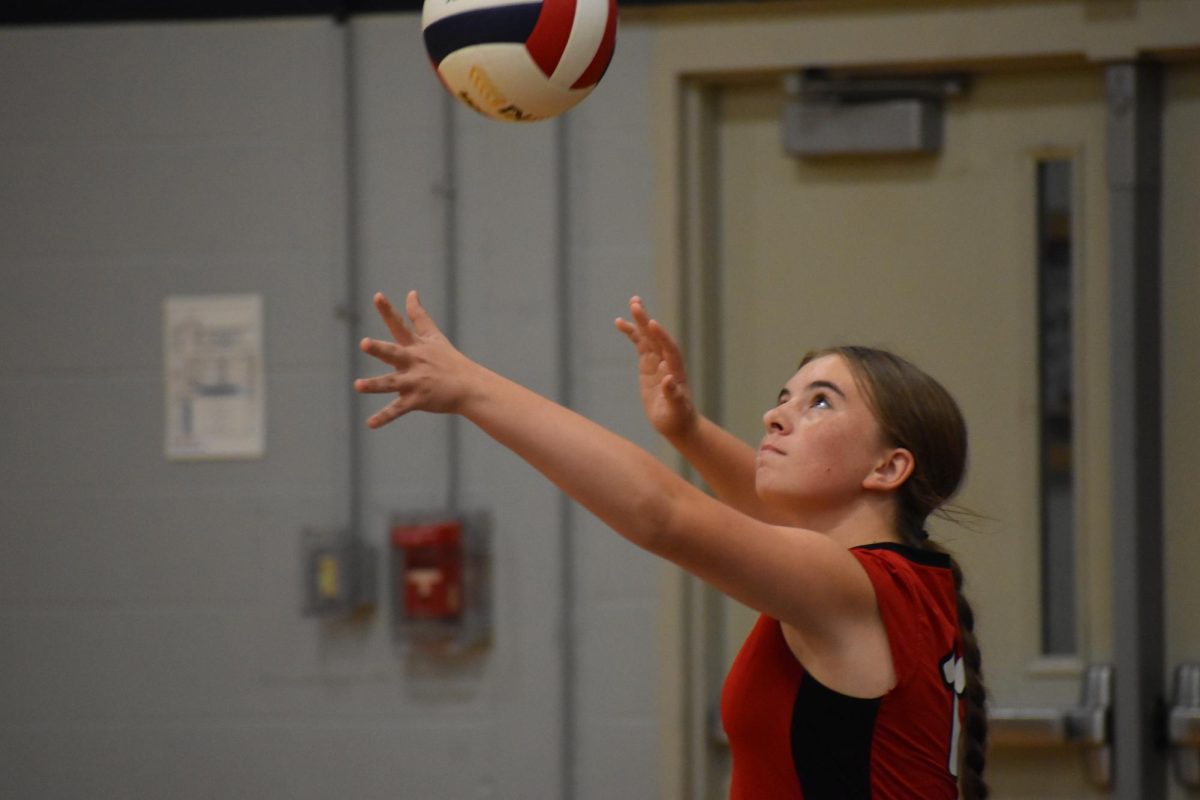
pixel 379 384
pixel 667 346
pixel 638 310
pixel 638 330
pixel 648 328
pixel 626 327
pixel 393 410
pixel 394 322
pixel 389 352
pixel 422 323
pixel 652 336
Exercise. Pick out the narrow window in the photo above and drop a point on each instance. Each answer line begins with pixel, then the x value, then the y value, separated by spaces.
pixel 1055 348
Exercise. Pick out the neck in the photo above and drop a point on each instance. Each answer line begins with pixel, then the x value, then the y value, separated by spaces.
pixel 866 521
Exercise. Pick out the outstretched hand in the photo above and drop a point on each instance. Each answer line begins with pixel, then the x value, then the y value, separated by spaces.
pixel 662 377
pixel 429 373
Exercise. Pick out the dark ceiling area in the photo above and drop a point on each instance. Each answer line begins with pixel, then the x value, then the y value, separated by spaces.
pixel 67 12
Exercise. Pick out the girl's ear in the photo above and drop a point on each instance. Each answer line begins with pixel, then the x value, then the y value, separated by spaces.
pixel 891 471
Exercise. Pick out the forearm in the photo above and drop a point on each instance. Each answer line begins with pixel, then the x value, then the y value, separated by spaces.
pixel 626 487
pixel 725 463
pixel 622 484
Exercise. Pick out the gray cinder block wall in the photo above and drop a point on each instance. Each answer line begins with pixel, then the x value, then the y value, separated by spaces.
pixel 153 644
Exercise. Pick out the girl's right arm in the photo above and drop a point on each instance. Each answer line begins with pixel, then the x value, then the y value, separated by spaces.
pixel 803 578
pixel 725 462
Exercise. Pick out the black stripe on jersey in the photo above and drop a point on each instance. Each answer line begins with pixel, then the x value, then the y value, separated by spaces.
pixel 831 742
pixel 917 555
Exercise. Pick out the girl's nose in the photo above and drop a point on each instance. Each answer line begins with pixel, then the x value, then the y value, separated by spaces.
pixel 774 420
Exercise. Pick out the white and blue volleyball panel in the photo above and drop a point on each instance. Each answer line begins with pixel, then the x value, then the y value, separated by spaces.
pixel 520 61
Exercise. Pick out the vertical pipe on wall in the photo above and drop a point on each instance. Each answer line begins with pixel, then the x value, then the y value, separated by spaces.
pixel 1134 177
pixel 450 269
pixel 562 143
pixel 350 312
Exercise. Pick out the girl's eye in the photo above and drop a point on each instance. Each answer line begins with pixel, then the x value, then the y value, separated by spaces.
pixel 820 401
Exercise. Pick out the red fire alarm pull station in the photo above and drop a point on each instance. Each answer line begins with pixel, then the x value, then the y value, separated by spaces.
pixel 440 583
pixel 433 569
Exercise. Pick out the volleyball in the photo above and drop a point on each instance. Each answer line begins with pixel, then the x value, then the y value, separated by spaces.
pixel 520 61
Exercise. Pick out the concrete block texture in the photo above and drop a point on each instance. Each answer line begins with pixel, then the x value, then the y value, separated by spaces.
pixel 151 609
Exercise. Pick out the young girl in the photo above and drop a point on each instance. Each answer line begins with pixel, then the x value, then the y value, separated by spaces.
pixel 861 678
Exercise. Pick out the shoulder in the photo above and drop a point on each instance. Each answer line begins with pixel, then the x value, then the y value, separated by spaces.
pixel 915 592
pixel 903 574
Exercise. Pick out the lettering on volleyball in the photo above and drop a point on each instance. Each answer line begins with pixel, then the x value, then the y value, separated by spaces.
pixel 954 677
pixel 514 113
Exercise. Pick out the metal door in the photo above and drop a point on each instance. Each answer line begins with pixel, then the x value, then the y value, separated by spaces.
pixel 936 256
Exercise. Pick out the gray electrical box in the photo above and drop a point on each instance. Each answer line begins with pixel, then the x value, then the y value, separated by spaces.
pixel 340 575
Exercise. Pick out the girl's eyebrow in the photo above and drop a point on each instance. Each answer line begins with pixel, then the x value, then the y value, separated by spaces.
pixel 826 385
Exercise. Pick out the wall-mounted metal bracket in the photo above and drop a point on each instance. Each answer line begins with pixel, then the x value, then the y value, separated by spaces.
pixel 838 115
pixel 1087 726
pixel 1183 725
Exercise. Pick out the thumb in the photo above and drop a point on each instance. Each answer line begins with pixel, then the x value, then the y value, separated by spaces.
pixel 675 390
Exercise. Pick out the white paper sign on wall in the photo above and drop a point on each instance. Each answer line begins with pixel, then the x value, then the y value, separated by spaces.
pixel 214 376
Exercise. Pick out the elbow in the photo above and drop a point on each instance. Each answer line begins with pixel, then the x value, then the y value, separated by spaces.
pixel 656 517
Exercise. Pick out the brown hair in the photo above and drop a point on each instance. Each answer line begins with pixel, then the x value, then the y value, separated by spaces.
pixel 917 413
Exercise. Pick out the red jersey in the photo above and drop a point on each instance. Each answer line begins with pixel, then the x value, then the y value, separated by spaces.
pixel 791 737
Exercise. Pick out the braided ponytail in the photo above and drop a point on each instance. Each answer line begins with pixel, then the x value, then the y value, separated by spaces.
pixel 973 744
pixel 915 412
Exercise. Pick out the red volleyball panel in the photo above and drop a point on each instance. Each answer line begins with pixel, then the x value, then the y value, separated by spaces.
pixel 595 70
pixel 549 37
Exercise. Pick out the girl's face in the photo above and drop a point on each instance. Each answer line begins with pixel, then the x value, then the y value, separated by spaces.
pixel 821 442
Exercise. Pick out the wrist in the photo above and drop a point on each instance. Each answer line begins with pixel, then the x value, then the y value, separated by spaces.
pixel 478 384
pixel 686 431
